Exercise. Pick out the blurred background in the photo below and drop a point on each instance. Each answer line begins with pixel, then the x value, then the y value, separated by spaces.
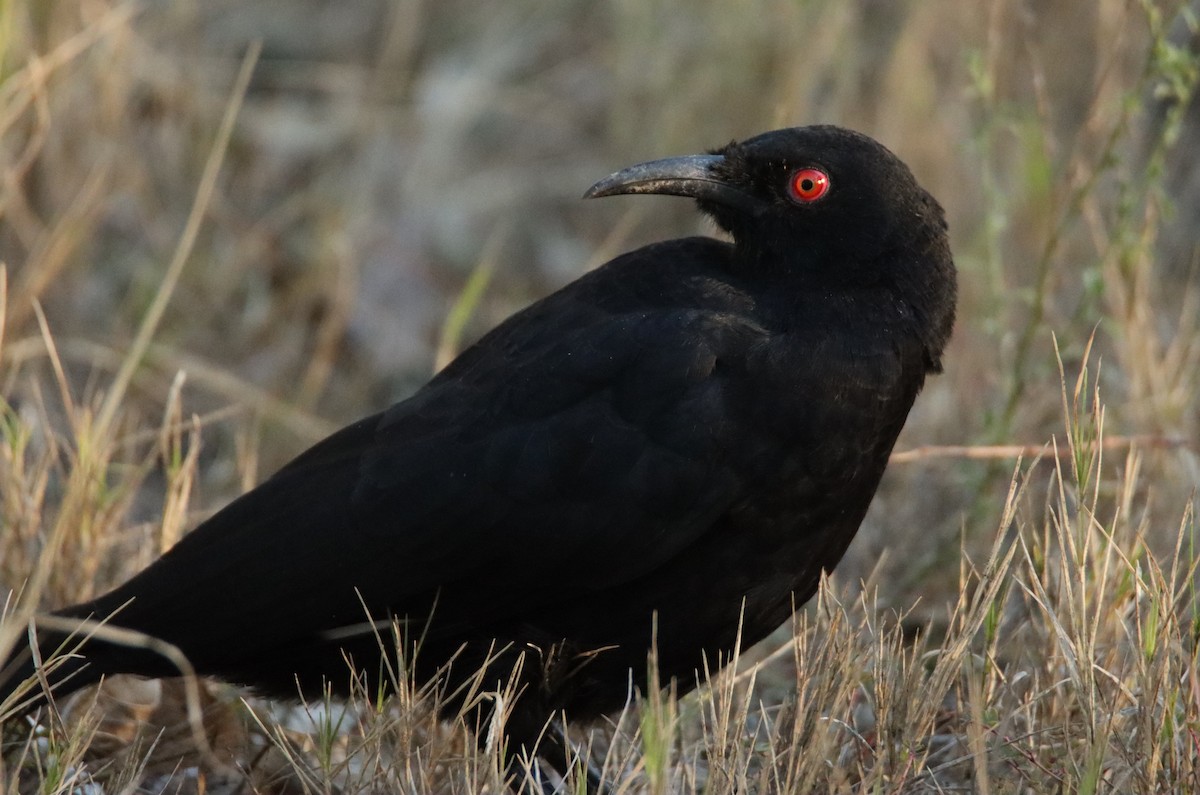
pixel 404 174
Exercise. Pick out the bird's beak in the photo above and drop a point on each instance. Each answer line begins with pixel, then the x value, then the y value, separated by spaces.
pixel 697 176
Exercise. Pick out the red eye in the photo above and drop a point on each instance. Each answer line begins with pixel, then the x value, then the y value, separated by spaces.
pixel 809 184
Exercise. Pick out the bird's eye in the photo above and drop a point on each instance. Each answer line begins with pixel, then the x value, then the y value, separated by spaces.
pixel 808 185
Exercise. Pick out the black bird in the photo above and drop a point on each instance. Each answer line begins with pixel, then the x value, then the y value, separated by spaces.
pixel 678 442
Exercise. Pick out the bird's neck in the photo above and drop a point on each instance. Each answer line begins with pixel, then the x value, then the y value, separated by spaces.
pixel 800 269
pixel 910 289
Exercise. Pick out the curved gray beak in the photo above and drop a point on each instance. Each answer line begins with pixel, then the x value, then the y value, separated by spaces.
pixel 695 176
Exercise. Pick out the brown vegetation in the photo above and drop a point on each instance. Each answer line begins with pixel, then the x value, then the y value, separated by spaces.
pixel 215 254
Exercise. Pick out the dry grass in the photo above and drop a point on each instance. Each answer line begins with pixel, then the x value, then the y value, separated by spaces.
pixel 205 272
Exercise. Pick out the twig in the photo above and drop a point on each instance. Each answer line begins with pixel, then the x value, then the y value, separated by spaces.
pixel 993 451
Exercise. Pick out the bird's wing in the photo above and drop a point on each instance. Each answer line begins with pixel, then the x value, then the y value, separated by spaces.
pixel 603 444
pixel 595 442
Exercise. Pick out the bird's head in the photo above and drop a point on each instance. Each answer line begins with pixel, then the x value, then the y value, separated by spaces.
pixel 828 206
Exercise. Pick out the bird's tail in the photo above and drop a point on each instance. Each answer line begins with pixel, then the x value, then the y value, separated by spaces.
pixel 60 663
pixel 67 650
pixel 76 647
